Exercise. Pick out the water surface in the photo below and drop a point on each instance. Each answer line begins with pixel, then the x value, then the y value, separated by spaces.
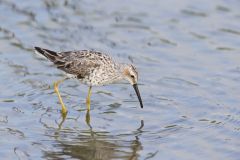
pixel 188 57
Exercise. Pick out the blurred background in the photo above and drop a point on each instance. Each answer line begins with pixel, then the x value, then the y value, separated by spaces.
pixel 188 57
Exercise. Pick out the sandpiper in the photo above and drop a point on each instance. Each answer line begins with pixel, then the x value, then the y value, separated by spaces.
pixel 91 68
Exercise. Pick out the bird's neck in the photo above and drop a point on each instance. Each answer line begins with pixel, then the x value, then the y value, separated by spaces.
pixel 122 68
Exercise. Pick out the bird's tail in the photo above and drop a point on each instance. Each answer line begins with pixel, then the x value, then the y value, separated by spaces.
pixel 51 55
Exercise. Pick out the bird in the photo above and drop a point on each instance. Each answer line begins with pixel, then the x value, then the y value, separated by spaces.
pixel 92 68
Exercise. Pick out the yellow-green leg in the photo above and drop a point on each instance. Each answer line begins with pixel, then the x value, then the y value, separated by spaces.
pixel 64 109
pixel 88 101
pixel 88 118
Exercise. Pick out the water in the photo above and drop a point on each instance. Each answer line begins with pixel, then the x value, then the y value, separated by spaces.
pixel 187 54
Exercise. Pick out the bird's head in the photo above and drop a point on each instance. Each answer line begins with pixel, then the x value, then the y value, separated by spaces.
pixel 131 75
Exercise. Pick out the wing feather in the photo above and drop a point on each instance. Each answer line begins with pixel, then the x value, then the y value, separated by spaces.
pixel 79 63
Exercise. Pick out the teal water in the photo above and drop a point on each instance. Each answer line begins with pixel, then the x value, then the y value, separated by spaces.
pixel 188 57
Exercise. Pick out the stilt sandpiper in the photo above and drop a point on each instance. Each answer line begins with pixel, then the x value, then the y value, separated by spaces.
pixel 91 68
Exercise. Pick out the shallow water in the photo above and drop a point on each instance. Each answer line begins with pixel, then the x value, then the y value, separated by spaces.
pixel 188 57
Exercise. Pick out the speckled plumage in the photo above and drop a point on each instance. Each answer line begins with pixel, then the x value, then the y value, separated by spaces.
pixel 90 67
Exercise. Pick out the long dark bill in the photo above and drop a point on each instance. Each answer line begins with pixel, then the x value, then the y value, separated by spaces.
pixel 135 86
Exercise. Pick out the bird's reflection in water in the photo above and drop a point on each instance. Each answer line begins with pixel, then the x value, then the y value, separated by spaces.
pixel 87 119
pixel 64 115
pixel 91 144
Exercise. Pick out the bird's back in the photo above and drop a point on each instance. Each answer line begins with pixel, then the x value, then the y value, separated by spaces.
pixel 91 67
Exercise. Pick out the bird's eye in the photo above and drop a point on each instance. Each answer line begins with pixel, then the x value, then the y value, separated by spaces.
pixel 132 76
